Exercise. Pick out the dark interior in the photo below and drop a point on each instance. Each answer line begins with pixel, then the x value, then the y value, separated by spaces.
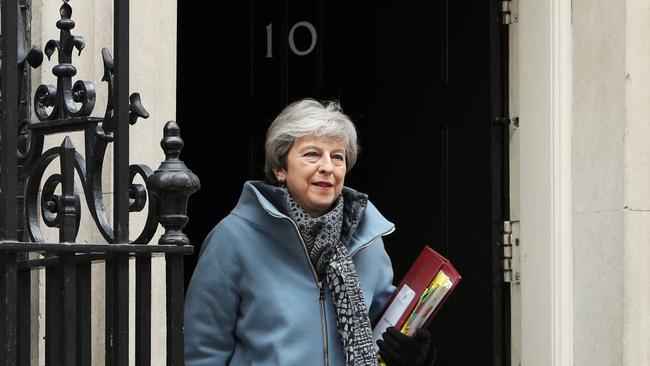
pixel 423 84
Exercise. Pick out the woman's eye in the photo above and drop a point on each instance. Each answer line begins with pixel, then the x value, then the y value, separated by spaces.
pixel 311 156
pixel 339 157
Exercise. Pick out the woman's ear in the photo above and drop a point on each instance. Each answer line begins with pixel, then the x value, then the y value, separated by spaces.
pixel 280 175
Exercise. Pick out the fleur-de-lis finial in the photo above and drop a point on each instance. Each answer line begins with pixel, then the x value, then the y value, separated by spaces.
pixel 65 96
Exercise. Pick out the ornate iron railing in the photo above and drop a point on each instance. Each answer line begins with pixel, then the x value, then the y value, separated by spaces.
pixel 26 201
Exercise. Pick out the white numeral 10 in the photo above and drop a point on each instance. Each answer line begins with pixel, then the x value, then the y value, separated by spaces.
pixel 292 43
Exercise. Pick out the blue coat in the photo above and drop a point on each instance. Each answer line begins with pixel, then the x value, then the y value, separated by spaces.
pixel 254 299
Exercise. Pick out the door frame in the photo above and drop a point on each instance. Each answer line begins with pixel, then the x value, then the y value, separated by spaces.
pixel 544 88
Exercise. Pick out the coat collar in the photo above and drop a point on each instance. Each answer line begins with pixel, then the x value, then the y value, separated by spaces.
pixel 261 207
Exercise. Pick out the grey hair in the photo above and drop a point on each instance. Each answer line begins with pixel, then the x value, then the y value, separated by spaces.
pixel 308 117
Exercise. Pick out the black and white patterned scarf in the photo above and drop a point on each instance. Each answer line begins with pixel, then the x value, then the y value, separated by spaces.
pixel 329 255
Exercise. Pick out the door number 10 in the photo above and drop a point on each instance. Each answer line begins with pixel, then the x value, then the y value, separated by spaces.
pixel 292 43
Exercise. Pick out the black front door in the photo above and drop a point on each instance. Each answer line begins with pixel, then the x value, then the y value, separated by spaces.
pixel 423 85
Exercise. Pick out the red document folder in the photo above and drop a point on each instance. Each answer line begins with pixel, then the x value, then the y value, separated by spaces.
pixel 423 271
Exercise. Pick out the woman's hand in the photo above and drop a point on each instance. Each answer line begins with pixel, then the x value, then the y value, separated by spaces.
pixel 397 349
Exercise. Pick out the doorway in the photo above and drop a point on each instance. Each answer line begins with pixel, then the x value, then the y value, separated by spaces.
pixel 424 84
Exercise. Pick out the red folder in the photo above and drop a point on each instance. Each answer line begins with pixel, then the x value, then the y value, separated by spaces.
pixel 420 275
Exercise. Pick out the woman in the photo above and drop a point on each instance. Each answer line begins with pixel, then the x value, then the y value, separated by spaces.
pixel 297 272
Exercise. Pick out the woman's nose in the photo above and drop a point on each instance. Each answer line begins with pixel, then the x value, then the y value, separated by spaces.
pixel 326 165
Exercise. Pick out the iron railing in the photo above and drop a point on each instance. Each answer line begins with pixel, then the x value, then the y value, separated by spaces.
pixel 25 202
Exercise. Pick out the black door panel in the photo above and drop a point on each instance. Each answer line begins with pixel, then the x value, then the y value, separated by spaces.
pixel 416 78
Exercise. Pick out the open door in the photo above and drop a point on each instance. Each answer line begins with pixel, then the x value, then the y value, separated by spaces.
pixel 424 84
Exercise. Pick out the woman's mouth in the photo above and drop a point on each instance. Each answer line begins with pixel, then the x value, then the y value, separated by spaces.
pixel 325 185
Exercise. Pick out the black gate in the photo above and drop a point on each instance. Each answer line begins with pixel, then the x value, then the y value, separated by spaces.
pixel 25 202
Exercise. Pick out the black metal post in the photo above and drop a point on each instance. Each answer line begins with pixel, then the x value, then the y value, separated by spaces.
pixel 121 117
pixel 53 318
pixel 8 177
pixel 69 329
pixel 121 267
pixel 84 318
pixel 119 299
pixel 8 128
pixel 117 310
pixel 109 316
pixel 143 311
pixel 170 186
pixel 8 292
pixel 24 316
pixel 175 296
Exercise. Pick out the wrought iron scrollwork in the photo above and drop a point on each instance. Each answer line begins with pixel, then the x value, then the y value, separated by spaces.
pixel 136 109
pixel 55 199
pixel 27 56
pixel 55 208
pixel 67 107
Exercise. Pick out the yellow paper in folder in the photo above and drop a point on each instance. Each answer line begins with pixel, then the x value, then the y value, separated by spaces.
pixel 429 300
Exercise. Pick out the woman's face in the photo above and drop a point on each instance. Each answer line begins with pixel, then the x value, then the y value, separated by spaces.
pixel 315 172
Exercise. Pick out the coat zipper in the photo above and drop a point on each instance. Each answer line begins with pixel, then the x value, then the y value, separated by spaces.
pixel 321 289
pixel 321 294
pixel 323 322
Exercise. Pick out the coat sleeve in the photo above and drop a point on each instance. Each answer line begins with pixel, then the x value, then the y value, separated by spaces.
pixel 385 288
pixel 211 303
